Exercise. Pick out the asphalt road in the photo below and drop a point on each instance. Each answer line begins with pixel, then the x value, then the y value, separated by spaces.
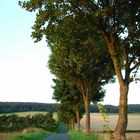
pixel 58 137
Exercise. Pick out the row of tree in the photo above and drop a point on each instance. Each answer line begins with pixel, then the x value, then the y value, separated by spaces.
pixel 18 123
pixel 91 41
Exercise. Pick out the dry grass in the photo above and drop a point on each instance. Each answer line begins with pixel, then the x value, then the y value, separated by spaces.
pixel 97 121
pixel 31 113
pixel 25 113
pixel 7 136
pixel 97 124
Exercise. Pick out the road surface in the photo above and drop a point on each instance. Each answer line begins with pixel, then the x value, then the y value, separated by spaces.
pixel 58 137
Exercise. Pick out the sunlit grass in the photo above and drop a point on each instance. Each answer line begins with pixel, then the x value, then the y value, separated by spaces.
pixel 83 136
pixel 39 135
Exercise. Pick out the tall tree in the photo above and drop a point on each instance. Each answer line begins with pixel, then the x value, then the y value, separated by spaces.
pixel 68 94
pixel 77 65
pixel 78 54
pixel 66 114
pixel 119 23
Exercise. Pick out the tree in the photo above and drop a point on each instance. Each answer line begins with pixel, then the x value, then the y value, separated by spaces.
pixel 66 114
pixel 69 96
pixel 119 23
pixel 76 56
pixel 45 122
pixel 77 65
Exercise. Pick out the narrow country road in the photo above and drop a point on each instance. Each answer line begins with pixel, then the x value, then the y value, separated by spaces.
pixel 58 137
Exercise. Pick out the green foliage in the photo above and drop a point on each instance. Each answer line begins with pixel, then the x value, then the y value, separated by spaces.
pixel 121 27
pixel 106 127
pixel 66 114
pixel 78 52
pixel 66 92
pixel 12 123
pixel 17 123
pixel 61 127
pixel 70 98
pixel 45 122
pixel 83 136
pixel 118 27
pixel 39 135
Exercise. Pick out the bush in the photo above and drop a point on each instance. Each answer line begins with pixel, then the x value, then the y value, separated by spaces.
pixel 16 123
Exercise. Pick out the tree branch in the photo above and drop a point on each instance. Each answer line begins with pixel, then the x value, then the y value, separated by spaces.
pixel 135 66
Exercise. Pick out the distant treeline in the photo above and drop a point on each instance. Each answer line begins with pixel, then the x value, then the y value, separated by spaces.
pixel 9 107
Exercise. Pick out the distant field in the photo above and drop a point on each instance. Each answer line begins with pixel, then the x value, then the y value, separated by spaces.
pixel 97 121
pixel 25 113
pixel 97 124
pixel 30 113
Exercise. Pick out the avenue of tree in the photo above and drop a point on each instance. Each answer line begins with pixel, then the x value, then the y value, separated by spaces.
pixel 91 41
pixel 70 108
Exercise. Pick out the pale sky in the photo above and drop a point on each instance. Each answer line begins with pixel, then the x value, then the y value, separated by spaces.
pixel 24 76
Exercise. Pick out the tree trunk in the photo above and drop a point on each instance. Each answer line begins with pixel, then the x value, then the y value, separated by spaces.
pixel 86 102
pixel 70 125
pixel 121 126
pixel 73 127
pixel 78 120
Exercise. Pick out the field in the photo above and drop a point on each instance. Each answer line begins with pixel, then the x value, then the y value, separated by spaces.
pixel 31 113
pixel 97 123
pixel 26 113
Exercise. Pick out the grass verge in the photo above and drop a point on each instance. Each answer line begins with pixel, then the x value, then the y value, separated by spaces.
pixel 38 135
pixel 83 136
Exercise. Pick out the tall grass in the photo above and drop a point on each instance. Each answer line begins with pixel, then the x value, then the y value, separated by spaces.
pixel 38 135
pixel 83 136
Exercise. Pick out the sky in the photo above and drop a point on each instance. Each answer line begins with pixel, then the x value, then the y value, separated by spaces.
pixel 24 75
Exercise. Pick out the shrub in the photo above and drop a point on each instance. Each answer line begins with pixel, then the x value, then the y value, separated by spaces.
pixel 16 123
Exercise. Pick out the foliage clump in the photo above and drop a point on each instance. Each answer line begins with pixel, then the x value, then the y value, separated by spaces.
pixel 9 123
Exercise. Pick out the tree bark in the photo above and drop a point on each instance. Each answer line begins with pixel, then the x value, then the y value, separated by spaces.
pixel 73 126
pixel 78 120
pixel 70 125
pixel 86 102
pixel 121 126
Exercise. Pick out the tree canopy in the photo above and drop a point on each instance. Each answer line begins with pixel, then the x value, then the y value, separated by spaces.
pixel 117 23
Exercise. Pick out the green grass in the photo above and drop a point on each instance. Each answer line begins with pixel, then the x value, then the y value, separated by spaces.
pixel 83 136
pixel 39 135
